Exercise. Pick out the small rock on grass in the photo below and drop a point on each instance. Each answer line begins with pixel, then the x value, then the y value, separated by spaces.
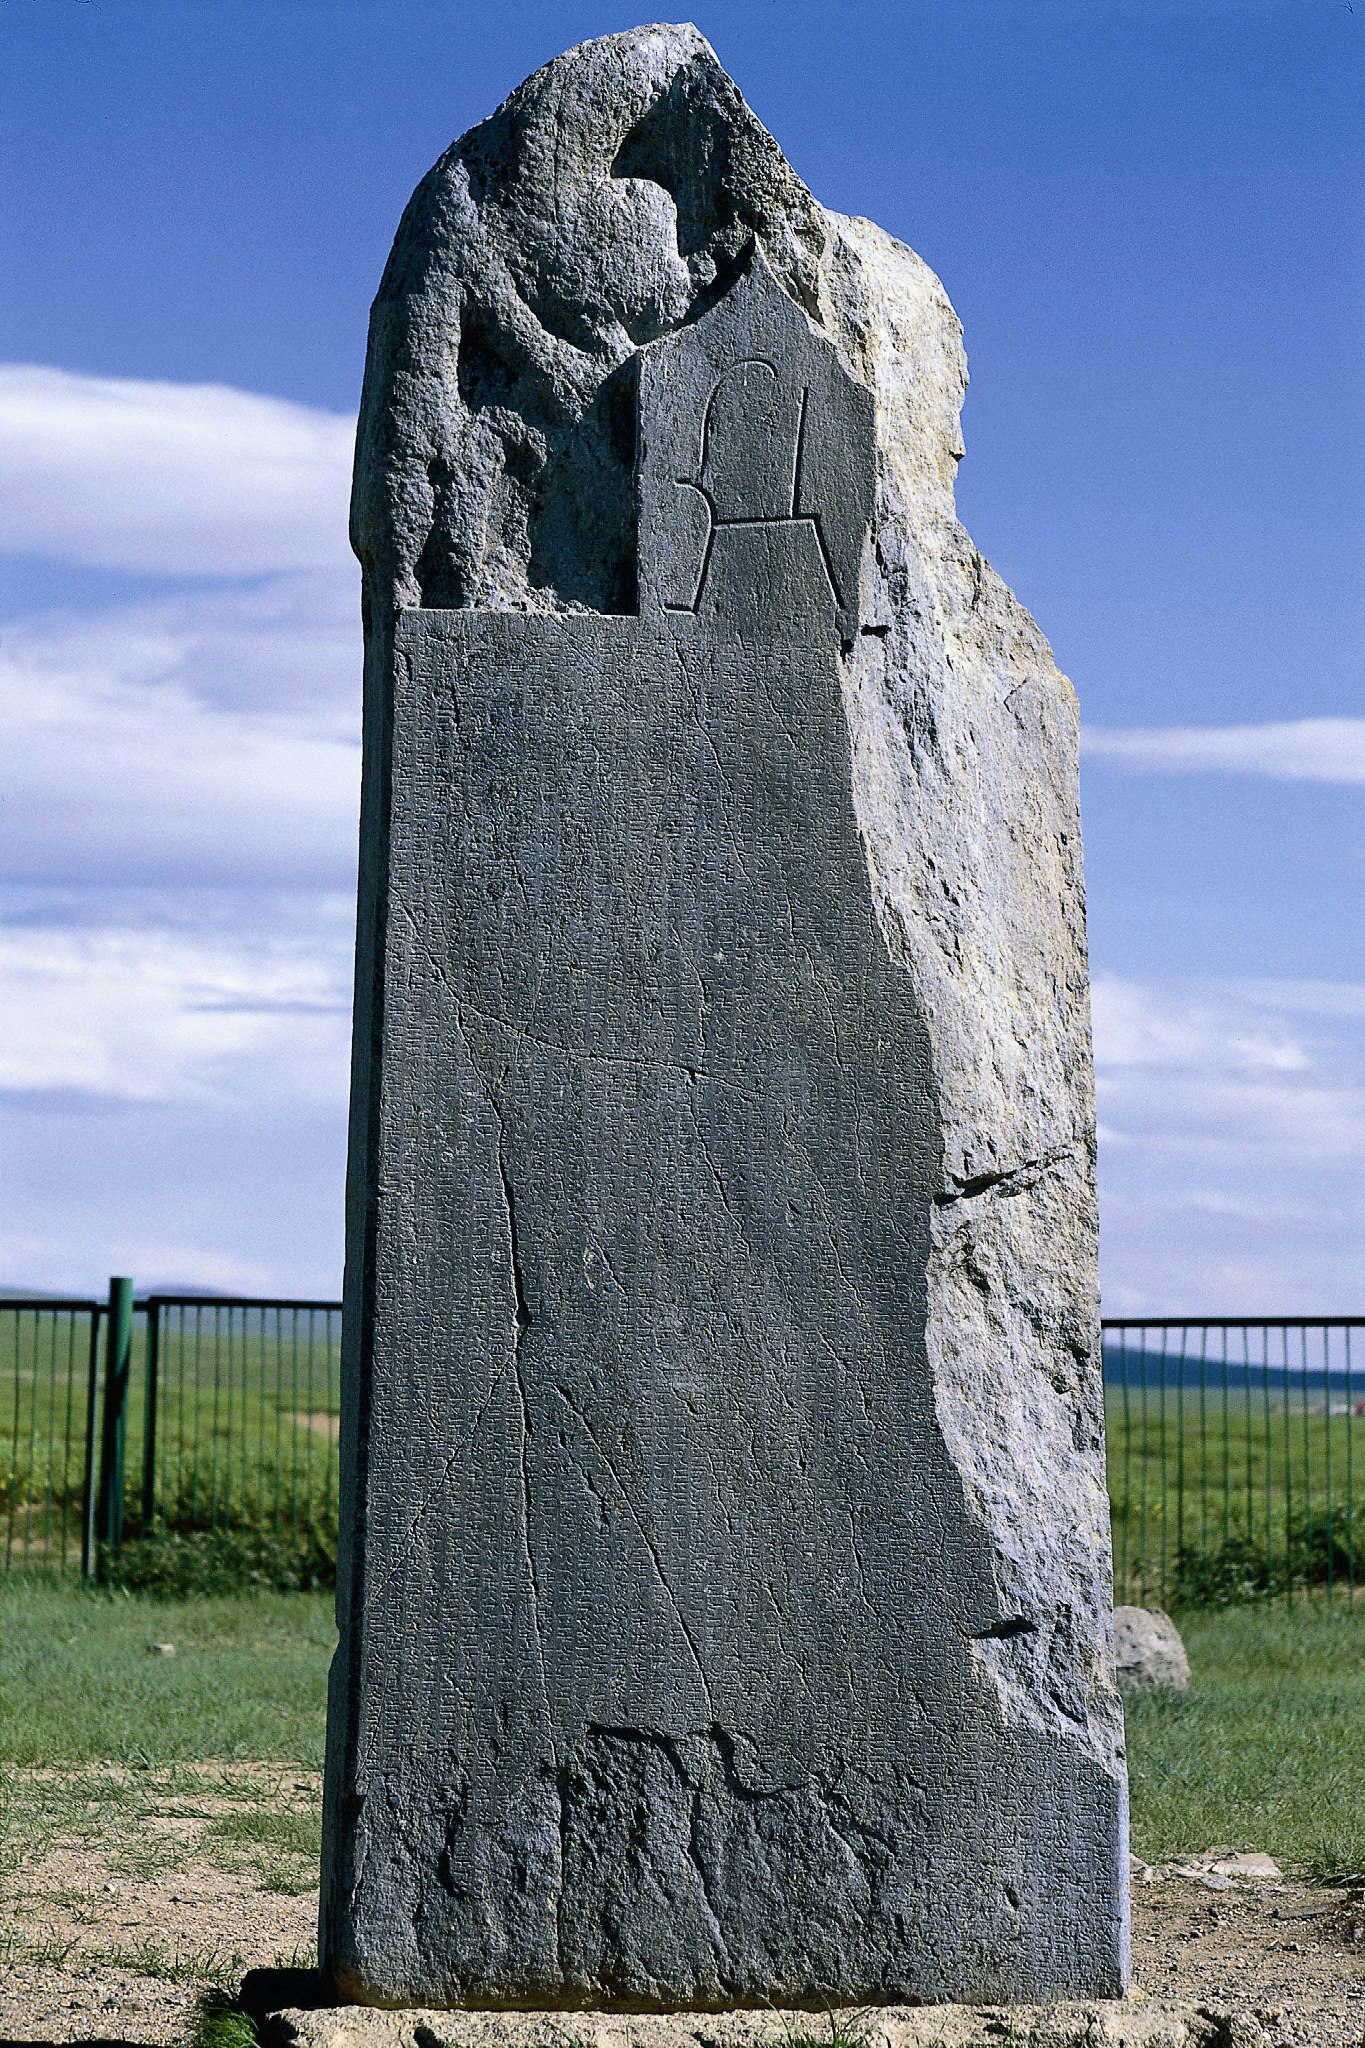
pixel 1148 1650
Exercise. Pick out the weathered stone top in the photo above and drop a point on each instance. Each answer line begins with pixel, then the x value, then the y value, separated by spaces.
pixel 602 206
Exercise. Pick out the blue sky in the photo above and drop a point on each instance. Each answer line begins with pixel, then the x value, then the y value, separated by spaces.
pixel 1149 217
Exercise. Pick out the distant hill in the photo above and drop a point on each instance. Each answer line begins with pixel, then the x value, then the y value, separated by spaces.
pixel 1135 1367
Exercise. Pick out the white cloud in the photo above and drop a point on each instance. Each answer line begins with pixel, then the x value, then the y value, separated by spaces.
pixel 178 796
pixel 1309 998
pixel 177 479
pixel 252 1007
pixel 1137 1025
pixel 75 1260
pixel 1303 750
pixel 197 739
pixel 245 1196
pixel 173 1078
pixel 1232 1136
pixel 206 737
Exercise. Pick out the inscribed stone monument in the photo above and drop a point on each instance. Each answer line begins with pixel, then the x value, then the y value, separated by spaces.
pixel 724 1605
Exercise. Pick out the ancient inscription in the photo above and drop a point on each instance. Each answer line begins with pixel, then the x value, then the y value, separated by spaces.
pixel 677 1665
pixel 748 480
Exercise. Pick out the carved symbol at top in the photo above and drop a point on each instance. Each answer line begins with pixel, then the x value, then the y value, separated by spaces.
pixel 756 469
pixel 752 441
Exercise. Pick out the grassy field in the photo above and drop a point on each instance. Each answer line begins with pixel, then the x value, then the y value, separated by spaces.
pixel 160 1815
pixel 1218 1499
pixel 1266 1751
pixel 79 1684
pixel 245 1434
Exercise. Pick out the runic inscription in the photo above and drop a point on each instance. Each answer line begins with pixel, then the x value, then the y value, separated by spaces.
pixel 748 480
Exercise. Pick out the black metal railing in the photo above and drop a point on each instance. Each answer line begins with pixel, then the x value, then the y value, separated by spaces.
pixel 130 1423
pixel 1234 1465
pixel 49 1399
pixel 165 1416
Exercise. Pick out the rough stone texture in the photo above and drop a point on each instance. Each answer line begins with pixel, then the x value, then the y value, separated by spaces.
pixel 1148 1650
pixel 1092 2025
pixel 725 1577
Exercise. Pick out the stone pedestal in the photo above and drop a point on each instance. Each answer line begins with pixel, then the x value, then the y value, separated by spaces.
pixel 1092 2024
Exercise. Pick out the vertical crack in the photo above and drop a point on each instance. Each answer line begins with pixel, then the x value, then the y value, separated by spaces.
pixel 522 1322
pixel 523 1313
pixel 649 1543
pixel 697 1853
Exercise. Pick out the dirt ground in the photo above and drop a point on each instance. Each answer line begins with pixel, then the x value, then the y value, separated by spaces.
pixel 127 1894
pixel 1291 1955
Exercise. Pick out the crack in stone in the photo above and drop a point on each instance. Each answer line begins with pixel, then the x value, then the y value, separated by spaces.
pixel 637 1062
pixel 647 1540
pixel 1005 1180
pixel 522 1320
pixel 522 1311
pixel 409 1536
pixel 863 1593
pixel 694 1850
pixel 721 1189
pixel 1001 1631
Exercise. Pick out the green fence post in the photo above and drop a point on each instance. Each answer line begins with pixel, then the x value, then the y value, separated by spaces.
pixel 118 1353
pixel 89 1487
pixel 149 1425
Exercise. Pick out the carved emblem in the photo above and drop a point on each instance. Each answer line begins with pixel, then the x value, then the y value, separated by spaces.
pixel 756 468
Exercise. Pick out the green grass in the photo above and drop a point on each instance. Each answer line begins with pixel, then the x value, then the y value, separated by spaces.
pixel 78 1684
pixel 245 1437
pixel 101 1741
pixel 1267 1749
pixel 834 2030
pixel 221 2023
pixel 292 1832
pixel 282 1845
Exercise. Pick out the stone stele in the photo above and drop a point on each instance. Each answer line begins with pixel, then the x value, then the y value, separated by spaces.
pixel 725 1568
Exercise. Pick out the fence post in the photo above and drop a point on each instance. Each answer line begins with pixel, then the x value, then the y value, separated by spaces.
pixel 88 1493
pixel 118 1351
pixel 149 1426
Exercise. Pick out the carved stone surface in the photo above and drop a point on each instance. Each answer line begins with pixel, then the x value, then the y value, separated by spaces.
pixel 724 1561
pixel 756 470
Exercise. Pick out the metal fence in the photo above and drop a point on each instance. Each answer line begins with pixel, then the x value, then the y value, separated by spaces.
pixel 1234 1466
pixel 168 1415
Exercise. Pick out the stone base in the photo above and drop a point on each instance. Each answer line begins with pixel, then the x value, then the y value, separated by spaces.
pixel 1125 2023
